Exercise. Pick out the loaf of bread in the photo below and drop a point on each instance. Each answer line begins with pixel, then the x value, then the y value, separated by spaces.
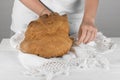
pixel 48 36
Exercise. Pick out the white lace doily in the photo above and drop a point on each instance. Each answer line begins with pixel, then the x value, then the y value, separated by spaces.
pixel 80 57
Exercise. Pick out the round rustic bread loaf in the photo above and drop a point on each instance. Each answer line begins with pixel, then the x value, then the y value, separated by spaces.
pixel 47 36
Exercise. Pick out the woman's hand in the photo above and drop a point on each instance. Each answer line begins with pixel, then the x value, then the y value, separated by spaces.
pixel 36 6
pixel 87 32
pixel 45 11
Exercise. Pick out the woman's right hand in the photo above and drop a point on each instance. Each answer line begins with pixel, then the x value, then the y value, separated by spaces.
pixel 45 11
pixel 36 6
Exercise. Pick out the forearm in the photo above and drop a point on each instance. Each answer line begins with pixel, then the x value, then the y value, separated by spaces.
pixel 90 10
pixel 34 5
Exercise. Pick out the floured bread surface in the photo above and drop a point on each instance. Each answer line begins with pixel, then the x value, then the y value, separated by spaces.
pixel 47 36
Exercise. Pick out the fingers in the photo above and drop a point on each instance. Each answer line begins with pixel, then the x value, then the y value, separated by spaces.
pixel 46 12
pixel 82 36
pixel 92 36
pixel 87 35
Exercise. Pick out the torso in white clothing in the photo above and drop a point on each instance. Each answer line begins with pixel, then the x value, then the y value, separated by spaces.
pixel 65 6
pixel 73 8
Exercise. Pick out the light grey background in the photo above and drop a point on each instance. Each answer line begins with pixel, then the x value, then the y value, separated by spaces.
pixel 107 21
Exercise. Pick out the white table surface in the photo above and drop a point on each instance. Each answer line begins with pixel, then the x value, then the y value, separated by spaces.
pixel 11 69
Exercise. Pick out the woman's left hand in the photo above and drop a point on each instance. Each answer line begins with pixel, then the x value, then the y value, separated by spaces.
pixel 87 32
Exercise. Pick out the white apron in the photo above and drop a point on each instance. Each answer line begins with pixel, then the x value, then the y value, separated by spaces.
pixel 22 16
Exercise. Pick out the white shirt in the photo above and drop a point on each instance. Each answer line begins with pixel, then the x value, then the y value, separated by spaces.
pixel 65 6
pixel 22 16
pixel 73 8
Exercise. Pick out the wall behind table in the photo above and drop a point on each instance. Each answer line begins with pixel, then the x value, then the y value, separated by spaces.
pixel 108 20
pixel 108 17
pixel 5 18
